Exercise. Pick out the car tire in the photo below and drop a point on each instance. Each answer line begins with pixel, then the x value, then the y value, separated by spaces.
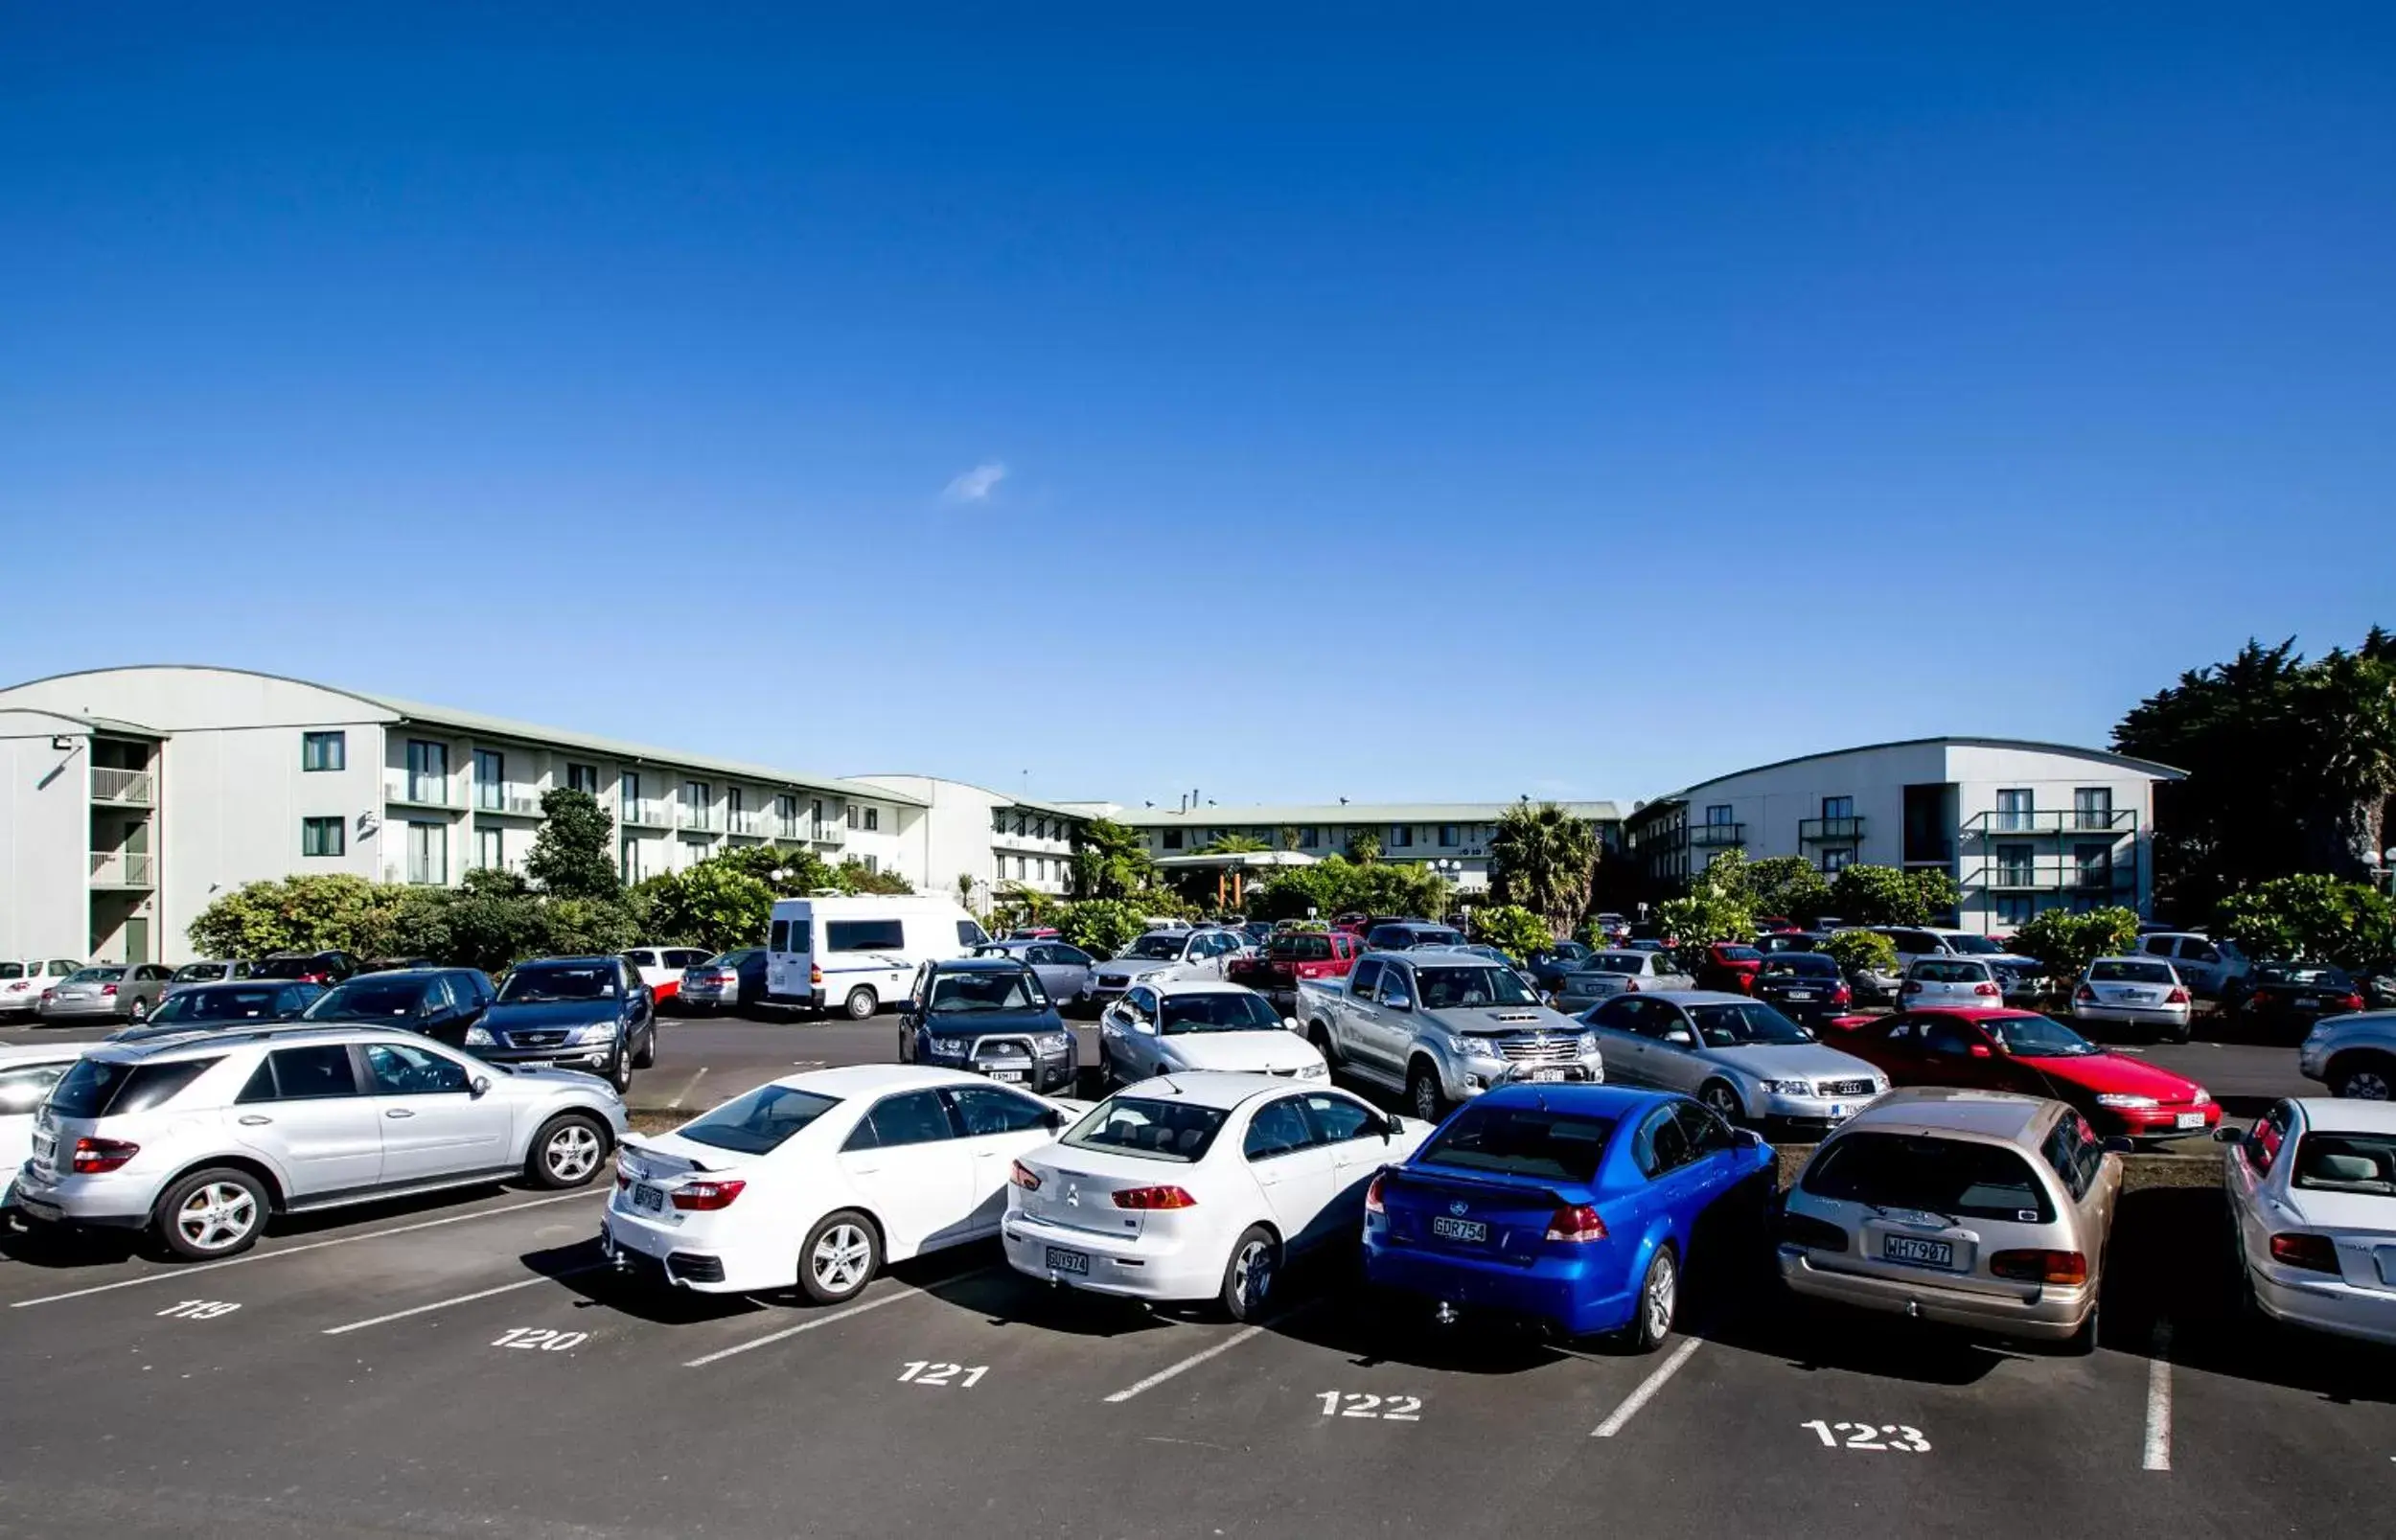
pixel 214 1213
pixel 648 1054
pixel 1658 1301
pixel 620 1073
pixel 1721 1098
pixel 839 1257
pixel 1249 1275
pixel 2363 1077
pixel 862 1003
pixel 1319 1036
pixel 1423 1097
pixel 568 1150
pixel 2084 1342
pixel 137 1012
pixel 2180 1034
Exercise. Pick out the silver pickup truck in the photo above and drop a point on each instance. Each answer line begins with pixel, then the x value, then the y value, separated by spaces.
pixel 1441 1027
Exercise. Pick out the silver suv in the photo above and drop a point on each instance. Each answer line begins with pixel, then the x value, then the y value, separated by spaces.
pixel 200 1138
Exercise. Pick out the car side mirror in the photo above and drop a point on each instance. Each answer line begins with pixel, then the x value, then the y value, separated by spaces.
pixel 1749 1137
pixel 1981 1051
pixel 1393 1127
pixel 1396 1003
pixel 1054 1117
pixel 2228 1135
pixel 1143 1026
pixel 1290 1023
pixel 1680 1037
pixel 2118 1145
pixel 478 1085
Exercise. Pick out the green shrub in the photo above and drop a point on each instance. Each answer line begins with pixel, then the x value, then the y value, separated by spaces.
pixel 2310 919
pixel 1102 927
pixel 2065 943
pixel 1512 930
pixel 1856 950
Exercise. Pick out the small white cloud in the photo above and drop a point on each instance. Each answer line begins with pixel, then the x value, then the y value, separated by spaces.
pixel 976 484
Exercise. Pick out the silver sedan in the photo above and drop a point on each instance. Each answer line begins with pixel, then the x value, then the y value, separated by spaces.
pixel 1067 973
pixel 1742 1058
pixel 120 994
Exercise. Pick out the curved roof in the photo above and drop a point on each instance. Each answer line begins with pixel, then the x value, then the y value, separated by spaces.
pixel 2144 766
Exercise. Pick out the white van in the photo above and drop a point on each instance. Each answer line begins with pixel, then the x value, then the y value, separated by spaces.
pixel 857 955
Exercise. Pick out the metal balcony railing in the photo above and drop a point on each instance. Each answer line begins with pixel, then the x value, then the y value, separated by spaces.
pixel 419 791
pixel 1717 834
pixel 746 823
pixel 2053 874
pixel 2060 821
pixel 136 787
pixel 647 812
pixel 123 868
pixel 699 817
pixel 1829 831
pixel 828 834
pixel 506 797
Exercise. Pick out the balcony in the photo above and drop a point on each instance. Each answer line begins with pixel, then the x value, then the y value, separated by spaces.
pixel 123 868
pixel 828 834
pixel 2116 821
pixel 1829 831
pixel 1718 836
pixel 701 817
pixel 508 797
pixel 748 822
pixel 645 813
pixel 133 788
pixel 2055 874
pixel 416 791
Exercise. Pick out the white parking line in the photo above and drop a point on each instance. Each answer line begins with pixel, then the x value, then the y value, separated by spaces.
pixel 681 1097
pixel 1203 1354
pixel 1647 1388
pixel 463 1299
pixel 294 1250
pixel 902 1292
pixel 2160 1400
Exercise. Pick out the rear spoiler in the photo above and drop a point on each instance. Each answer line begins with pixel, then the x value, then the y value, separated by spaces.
pixel 1416 1176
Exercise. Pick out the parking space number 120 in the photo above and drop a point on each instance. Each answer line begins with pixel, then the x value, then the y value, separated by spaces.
pixel 1901 1439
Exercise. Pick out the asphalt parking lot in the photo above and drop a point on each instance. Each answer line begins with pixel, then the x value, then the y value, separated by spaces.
pixel 470 1366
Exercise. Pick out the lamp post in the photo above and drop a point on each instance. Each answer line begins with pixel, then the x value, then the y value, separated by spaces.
pixel 1451 870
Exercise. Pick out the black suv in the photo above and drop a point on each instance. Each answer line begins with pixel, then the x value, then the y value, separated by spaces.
pixel 328 968
pixel 991 1016
pixel 440 1003
pixel 591 1014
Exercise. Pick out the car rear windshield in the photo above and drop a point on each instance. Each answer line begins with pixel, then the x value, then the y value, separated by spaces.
pixel 1956 1179
pixel 1738 954
pixel 2130 972
pixel 1800 965
pixel 100 1087
pixel 2348 1162
pixel 1974 946
pixel 2290 973
pixel 1616 962
pixel 226 1004
pixel 1523 1141
pixel 198 973
pixel 1299 949
pixel 288 967
pixel 1447 989
pixel 96 975
pixel 1217 1011
pixel 1152 1129
pixel 531 986
pixel 371 998
pixel 758 1121
pixel 1951 973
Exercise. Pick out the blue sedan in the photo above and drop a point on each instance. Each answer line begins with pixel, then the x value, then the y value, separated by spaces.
pixel 1570 1205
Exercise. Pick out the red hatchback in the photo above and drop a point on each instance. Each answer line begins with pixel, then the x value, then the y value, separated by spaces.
pixel 1993 1050
pixel 1730 966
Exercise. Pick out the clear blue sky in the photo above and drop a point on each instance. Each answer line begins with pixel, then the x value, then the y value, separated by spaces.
pixel 1564 406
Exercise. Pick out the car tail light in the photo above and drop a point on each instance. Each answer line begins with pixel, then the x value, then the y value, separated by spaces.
pixel 1146 1198
pixel 49 995
pixel 2178 997
pixel 1913 986
pixel 815 973
pixel 1842 995
pixel 1630 986
pixel 1579 1222
pixel 107 989
pixel 1024 1177
pixel 1812 1233
pixel 1985 991
pixel 706 1197
pixel 2315 1253
pixel 2041 1267
pixel 2083 996
pixel 1373 1196
pixel 95 1156
pixel 2351 1003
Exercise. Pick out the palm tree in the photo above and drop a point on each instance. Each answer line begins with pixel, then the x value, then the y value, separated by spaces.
pixel 1542 858
pixel 1234 844
pixel 1109 861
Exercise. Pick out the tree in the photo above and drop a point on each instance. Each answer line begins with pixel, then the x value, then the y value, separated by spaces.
pixel 1364 847
pixel 293 914
pixel 1102 927
pixel 1542 858
pixel 573 855
pixel 1234 844
pixel 2310 919
pixel 2065 943
pixel 490 921
pixel 1110 861
pixel 852 876
pixel 1512 930
pixel 789 873
pixel 2290 768
pixel 1858 950
pixel 1788 886
pixel 712 904
pixel 1887 895
pixel 1714 908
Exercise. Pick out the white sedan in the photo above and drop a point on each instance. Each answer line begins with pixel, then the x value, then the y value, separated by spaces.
pixel 2312 1193
pixel 819 1179
pixel 1199 1188
pixel 1159 1029
pixel 2134 992
pixel 26 1072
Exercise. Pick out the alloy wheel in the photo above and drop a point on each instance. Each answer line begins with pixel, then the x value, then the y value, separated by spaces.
pixel 2365 1085
pixel 840 1258
pixel 1251 1275
pixel 1662 1295
pixel 572 1153
pixel 217 1216
pixel 1719 1101
pixel 1426 1099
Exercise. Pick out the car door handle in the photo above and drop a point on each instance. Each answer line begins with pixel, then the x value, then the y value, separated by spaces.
pixel 866 1170
pixel 397 1111
pixel 253 1121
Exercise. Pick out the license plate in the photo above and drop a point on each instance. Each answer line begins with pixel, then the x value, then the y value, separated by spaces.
pixel 1459 1229
pixel 1799 994
pixel 536 1064
pixel 2141 996
pixel 45 1146
pixel 1838 1110
pixel 645 1196
pixel 1547 1076
pixel 1918 1251
pixel 2307 1002
pixel 1011 1078
pixel 2190 1121
pixel 1060 1260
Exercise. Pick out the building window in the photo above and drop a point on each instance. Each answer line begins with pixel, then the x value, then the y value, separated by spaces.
pixel 1837 857
pixel 2016 809
pixel 489 849
pixel 1402 836
pixel 2092 806
pixel 2093 865
pixel 1838 807
pixel 1447 837
pixel 694 851
pixel 997 820
pixel 323 836
pixel 2015 865
pixel 429 852
pixel 489 770
pixel 852 814
pixel 873 866
pixel 627 794
pixel 325 752
pixel 628 860
pixel 1719 814
pixel 2013 909
pixel 696 795
pixel 583 778
pixel 1172 839
pixel 786 817
pixel 873 817
pixel 428 771
pixel 1308 838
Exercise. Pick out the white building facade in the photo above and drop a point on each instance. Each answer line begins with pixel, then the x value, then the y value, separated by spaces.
pixel 1441 833
pixel 136 796
pixel 2020 826
pixel 986 839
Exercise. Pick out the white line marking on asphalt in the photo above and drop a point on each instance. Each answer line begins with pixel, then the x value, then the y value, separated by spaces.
pixel 463 1299
pixel 681 1097
pixel 1647 1388
pixel 1203 1354
pixel 294 1250
pixel 2160 1400
pixel 904 1292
